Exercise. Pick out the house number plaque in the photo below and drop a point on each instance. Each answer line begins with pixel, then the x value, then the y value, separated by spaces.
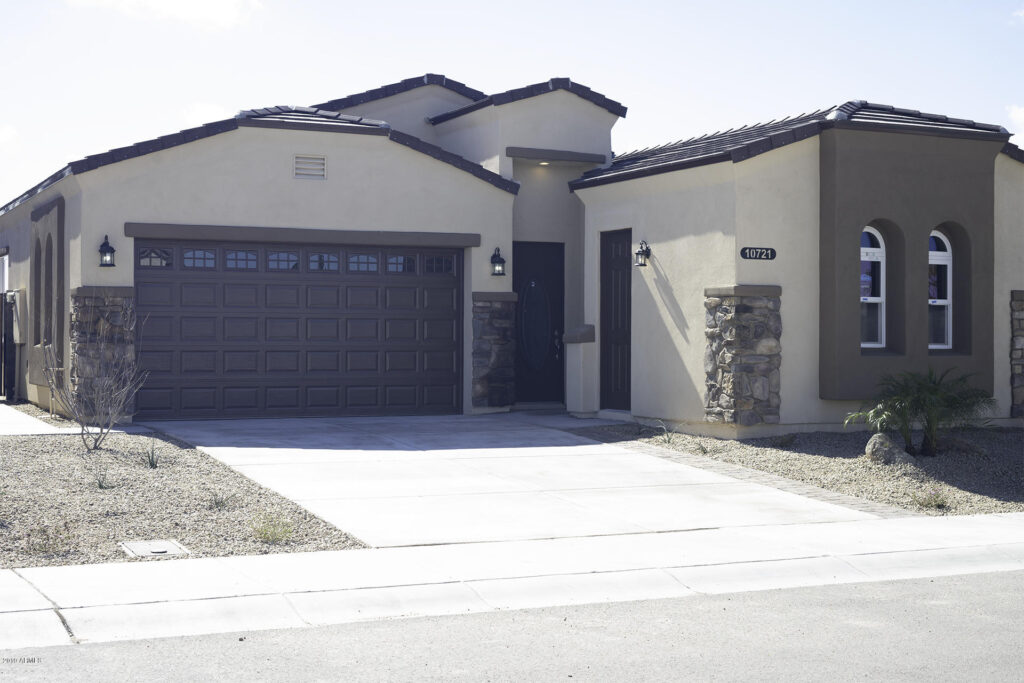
pixel 758 253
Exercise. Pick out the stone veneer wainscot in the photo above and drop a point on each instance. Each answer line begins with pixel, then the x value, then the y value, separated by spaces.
pixel 743 356
pixel 494 349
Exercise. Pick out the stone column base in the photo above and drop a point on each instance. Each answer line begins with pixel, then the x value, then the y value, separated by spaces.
pixel 494 349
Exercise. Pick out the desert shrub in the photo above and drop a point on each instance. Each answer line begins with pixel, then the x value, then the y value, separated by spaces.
pixel 220 501
pixel 49 540
pixel 934 401
pixel 272 528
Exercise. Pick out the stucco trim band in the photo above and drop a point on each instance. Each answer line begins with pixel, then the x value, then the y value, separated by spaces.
pixel 553 155
pixel 743 290
pixel 238 233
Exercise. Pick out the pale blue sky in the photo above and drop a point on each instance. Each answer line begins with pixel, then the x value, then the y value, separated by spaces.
pixel 83 76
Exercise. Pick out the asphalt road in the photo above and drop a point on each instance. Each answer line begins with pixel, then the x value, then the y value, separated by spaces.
pixel 952 628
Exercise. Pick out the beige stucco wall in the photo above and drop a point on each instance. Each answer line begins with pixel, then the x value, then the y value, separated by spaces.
pixel 408 111
pixel 244 177
pixel 16 234
pixel 545 211
pixel 555 120
pixel 777 205
pixel 1009 267
pixel 688 218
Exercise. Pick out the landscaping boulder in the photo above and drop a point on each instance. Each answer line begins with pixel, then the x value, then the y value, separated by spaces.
pixel 883 451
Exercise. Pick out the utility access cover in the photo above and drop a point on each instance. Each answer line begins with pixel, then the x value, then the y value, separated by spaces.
pixel 160 548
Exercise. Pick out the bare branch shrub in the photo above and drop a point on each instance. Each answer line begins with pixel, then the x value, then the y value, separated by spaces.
pixel 101 391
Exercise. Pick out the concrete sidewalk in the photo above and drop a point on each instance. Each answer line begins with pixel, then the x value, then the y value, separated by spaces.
pixel 13 422
pixel 91 603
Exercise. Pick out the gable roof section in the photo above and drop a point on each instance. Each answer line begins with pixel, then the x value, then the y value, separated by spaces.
pixel 400 87
pixel 738 144
pixel 534 90
pixel 284 117
pixel 1014 152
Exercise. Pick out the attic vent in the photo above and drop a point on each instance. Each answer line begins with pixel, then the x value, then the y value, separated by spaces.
pixel 310 166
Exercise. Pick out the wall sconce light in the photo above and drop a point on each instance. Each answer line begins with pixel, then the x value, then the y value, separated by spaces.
pixel 106 254
pixel 11 297
pixel 497 263
pixel 642 254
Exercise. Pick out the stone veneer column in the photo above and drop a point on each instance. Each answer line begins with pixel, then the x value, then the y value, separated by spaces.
pixel 742 360
pixel 1017 353
pixel 494 349
pixel 97 330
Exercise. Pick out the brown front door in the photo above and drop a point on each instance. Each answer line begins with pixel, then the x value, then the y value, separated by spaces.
pixel 616 278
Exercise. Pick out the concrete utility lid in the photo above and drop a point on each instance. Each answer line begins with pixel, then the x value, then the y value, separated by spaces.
pixel 160 548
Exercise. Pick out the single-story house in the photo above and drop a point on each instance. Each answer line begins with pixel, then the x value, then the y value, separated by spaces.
pixel 427 248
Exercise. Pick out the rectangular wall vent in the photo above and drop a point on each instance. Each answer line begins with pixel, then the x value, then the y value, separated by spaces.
pixel 310 166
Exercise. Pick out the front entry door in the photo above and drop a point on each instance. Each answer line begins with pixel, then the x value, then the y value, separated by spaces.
pixel 538 277
pixel 616 290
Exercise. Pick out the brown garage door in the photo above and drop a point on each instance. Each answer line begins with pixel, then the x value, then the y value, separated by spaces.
pixel 232 329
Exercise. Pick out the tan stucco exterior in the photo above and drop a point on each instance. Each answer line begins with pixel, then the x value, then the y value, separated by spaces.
pixel 408 111
pixel 1009 266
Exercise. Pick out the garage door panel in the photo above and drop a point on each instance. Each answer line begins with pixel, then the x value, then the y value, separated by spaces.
pixel 241 398
pixel 192 362
pixel 323 296
pixel 362 297
pixel 282 361
pixel 362 361
pixel 241 295
pixel 283 329
pixel 400 298
pixel 157 328
pixel 199 398
pixel 400 361
pixel 241 329
pixel 322 329
pixel 152 294
pixel 199 294
pixel 283 397
pixel 194 328
pixel 282 296
pixel 157 362
pixel 377 334
pixel 241 362
pixel 361 330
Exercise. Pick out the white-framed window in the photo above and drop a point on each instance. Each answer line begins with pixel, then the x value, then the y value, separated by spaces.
pixel 872 289
pixel 940 295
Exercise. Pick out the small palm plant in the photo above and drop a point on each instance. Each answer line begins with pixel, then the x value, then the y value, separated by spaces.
pixel 892 409
pixel 942 403
pixel 932 400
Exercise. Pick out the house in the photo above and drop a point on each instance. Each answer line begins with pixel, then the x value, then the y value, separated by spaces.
pixel 427 248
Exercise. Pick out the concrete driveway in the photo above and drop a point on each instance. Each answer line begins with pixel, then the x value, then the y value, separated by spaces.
pixel 506 477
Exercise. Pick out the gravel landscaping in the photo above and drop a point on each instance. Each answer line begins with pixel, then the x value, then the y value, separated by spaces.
pixel 53 510
pixel 978 471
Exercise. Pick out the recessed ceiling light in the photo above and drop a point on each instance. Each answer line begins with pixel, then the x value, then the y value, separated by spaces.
pixel 544 163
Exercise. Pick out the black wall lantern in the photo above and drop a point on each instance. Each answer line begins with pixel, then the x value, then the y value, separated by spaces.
pixel 106 254
pixel 497 263
pixel 642 254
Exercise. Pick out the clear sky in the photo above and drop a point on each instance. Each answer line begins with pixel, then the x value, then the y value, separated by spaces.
pixel 84 76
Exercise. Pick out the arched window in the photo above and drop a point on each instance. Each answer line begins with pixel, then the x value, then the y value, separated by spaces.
pixel 872 289
pixel 940 296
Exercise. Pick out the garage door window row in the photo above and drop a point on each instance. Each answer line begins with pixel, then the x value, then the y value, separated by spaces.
pixel 294 260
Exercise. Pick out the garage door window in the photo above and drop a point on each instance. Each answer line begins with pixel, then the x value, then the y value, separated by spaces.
pixel 401 264
pixel 236 259
pixel 439 265
pixel 282 260
pixel 198 258
pixel 154 258
pixel 321 262
pixel 362 263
